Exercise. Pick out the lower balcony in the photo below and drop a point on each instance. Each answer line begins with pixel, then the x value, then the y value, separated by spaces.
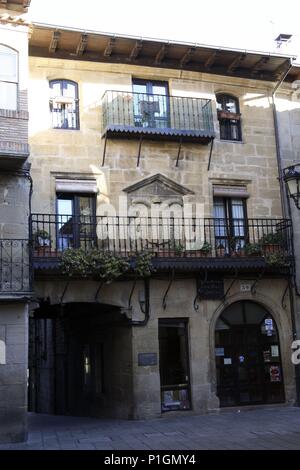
pixel 15 268
pixel 183 243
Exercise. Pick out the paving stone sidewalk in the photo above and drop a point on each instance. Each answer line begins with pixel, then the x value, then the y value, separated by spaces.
pixel 264 428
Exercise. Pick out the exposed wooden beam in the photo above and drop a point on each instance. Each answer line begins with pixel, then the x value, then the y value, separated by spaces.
pixel 161 54
pixel 54 42
pixel 110 47
pixel 236 61
pixel 281 70
pixel 185 59
pixel 210 60
pixel 259 64
pixel 82 45
pixel 136 50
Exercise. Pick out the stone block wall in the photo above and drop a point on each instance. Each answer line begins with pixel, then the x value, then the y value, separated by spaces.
pixel 70 153
pixel 13 372
pixel 14 261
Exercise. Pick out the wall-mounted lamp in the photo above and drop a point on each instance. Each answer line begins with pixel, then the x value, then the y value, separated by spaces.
pixel 291 176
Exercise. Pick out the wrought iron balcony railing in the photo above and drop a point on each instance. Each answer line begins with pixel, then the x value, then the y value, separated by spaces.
pixel 156 115
pixel 163 237
pixel 15 267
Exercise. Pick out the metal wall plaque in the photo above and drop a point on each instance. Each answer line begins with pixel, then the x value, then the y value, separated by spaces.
pixel 211 289
pixel 147 359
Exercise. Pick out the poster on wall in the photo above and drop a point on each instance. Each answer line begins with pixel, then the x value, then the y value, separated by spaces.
pixel 275 374
pixel 269 326
pixel 227 361
pixel 274 351
pixel 267 356
pixel 220 352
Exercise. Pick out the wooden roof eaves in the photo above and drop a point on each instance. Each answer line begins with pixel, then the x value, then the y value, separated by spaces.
pixel 217 60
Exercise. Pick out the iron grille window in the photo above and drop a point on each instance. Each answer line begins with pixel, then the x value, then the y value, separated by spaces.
pixel 64 104
pixel 229 117
pixel 8 78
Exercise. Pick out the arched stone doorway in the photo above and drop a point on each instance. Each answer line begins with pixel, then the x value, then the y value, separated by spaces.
pixel 248 359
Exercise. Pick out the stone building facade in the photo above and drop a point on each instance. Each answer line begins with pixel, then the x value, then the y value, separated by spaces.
pixel 15 276
pixel 153 132
pixel 157 156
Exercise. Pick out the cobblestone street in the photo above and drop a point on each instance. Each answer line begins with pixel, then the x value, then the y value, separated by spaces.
pixel 265 428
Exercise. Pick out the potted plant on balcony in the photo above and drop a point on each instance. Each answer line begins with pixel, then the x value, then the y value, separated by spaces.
pixel 236 247
pixel 205 249
pixel 42 242
pixel 272 242
pixel 220 250
pixel 253 249
pixel 178 250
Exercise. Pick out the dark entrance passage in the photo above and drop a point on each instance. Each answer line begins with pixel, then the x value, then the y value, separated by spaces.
pixel 247 351
pixel 80 361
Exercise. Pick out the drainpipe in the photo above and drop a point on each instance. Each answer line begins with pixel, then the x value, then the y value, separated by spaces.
pixel 277 141
pixel 146 309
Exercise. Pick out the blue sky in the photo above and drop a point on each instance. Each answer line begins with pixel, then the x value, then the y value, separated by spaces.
pixel 251 24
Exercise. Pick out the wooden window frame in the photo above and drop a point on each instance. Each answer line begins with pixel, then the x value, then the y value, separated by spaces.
pixel 64 100
pixel 228 120
pixel 13 82
pixel 229 220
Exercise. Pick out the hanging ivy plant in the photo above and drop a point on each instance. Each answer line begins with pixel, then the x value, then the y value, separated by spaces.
pixel 75 262
pixel 143 264
pixel 107 266
pixel 103 265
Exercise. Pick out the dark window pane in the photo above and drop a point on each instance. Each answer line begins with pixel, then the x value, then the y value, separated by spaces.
pixel 76 221
pixel 151 104
pixel 174 372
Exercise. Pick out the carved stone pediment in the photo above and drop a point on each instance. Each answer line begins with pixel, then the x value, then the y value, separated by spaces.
pixel 157 185
pixel 156 189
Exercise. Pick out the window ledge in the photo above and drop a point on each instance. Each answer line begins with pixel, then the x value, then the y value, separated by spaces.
pixel 64 129
pixel 232 141
pixel 13 114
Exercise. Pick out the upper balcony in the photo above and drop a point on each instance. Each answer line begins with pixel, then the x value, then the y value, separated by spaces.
pixel 157 117
pixel 181 243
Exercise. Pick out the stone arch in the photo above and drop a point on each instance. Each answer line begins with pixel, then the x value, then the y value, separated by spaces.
pixel 284 327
